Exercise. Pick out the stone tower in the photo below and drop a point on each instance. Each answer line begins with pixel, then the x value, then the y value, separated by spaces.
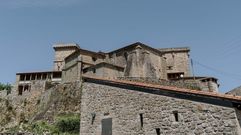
pixel 61 52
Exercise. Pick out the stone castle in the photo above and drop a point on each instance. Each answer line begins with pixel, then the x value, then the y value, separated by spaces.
pixel 139 90
pixel 133 61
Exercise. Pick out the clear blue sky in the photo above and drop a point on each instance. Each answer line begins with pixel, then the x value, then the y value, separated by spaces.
pixel 211 28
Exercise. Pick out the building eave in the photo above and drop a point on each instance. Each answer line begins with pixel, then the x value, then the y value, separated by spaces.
pixel 37 72
pixel 232 98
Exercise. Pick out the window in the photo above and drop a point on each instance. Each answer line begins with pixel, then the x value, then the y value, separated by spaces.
pixel 22 77
pixel 27 77
pixel 175 113
pixel 94 59
pixel 126 56
pixel 94 70
pixel 93 118
pixel 20 90
pixel 57 75
pixel 38 76
pixel 141 120
pixel 175 75
pixel 33 76
pixel 26 87
pixel 158 132
pixel 169 67
pixel 44 76
pixel 85 71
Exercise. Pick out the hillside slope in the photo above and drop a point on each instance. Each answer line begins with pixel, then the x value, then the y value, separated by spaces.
pixel 18 111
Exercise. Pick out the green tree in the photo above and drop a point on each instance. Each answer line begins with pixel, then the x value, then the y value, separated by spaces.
pixel 7 87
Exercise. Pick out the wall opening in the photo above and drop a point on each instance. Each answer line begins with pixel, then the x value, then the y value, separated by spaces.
pixel 33 77
pixel 20 90
pixel 158 131
pixel 141 119
pixel 126 56
pixel 94 70
pixel 175 113
pixel 94 59
pixel 85 71
pixel 44 77
pixel 93 118
pixel 38 76
pixel 22 77
pixel 106 126
pixel 25 87
pixel 175 75
pixel 27 77
pixel 57 75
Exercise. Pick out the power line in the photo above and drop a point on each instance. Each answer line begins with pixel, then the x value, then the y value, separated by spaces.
pixel 228 48
pixel 230 75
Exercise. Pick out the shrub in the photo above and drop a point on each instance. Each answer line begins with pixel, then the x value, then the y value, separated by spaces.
pixel 66 124
pixel 7 87
pixel 2 86
pixel 70 124
pixel 41 126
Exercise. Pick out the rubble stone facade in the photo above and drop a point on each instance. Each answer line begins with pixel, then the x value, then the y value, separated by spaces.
pixel 61 52
pixel 142 111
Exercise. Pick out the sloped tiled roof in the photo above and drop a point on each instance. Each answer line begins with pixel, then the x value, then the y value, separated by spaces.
pixel 169 88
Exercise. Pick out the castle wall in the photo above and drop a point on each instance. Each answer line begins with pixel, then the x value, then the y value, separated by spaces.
pixel 139 62
pixel 90 59
pixel 105 72
pixel 74 65
pixel 177 62
pixel 60 55
pixel 72 69
pixel 209 85
pixel 133 112
pixel 72 73
pixel 118 58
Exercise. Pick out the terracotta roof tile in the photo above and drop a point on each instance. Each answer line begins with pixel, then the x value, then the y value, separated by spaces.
pixel 168 88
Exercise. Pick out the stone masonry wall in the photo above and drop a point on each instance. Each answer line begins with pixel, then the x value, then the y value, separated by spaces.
pixel 124 106
pixel 178 61
pixel 60 55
